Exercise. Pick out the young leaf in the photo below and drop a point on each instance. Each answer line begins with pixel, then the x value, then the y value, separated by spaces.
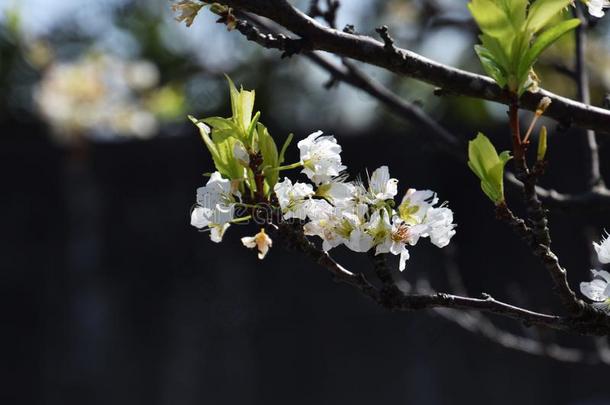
pixel 545 40
pixel 484 161
pixel 221 123
pixel 204 130
pixel 542 144
pixel 252 128
pixel 242 104
pixel 491 18
pixel 224 160
pixel 541 12
pixel 491 66
pixel 284 147
pixel 268 150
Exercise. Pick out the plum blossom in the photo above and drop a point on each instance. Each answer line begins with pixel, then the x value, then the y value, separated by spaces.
pixel 603 250
pixel 293 198
pixel 338 193
pixel 324 223
pixel 215 206
pixel 598 289
pixel 188 10
pixel 440 226
pixel 596 7
pixel 390 237
pixel 261 241
pixel 320 157
pixel 415 204
pixel 381 186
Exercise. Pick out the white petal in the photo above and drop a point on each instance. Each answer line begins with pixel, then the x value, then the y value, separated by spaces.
pixel 249 241
pixel 217 232
pixel 594 290
pixel 359 241
pixel 199 218
pixel 603 250
pixel 404 256
pixel 601 273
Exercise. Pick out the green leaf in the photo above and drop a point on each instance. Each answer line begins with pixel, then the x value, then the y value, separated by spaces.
pixel 484 161
pixel 516 10
pixel 491 66
pixel 252 129
pixel 284 147
pixel 225 162
pixel 268 150
pixel 204 130
pixel 541 12
pixel 491 18
pixel 544 40
pixel 221 123
pixel 242 104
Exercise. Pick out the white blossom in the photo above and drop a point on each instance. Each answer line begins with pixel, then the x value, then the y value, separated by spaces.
pixel 261 241
pixel 338 193
pixel 598 289
pixel 293 199
pixel 381 186
pixel 324 223
pixel 415 204
pixel 188 10
pixel 215 206
pixel 603 250
pixel 320 157
pixel 390 237
pixel 596 7
pixel 439 222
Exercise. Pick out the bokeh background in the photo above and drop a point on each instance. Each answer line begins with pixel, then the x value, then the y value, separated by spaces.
pixel 112 298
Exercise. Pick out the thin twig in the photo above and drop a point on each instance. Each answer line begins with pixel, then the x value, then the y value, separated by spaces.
pixel 584 95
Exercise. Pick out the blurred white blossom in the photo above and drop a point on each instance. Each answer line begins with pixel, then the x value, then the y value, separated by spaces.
pixel 596 7
pixel 101 96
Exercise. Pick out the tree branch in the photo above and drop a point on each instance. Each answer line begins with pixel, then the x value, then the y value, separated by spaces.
pixel 598 197
pixel 401 61
pixel 591 322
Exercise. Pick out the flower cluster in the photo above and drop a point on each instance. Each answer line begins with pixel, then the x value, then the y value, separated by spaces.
pixel 598 289
pixel 363 216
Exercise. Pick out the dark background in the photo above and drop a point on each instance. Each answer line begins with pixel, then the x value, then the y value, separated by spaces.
pixel 111 297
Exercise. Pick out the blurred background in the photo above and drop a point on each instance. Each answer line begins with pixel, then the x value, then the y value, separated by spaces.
pixel 113 298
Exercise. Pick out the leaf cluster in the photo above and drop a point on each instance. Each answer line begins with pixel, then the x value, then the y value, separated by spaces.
pixel 242 131
pixel 513 35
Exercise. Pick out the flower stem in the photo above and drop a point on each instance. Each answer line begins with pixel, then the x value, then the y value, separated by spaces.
pixel 242 219
pixel 289 167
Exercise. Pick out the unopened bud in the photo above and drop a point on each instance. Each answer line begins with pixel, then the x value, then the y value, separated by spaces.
pixel 544 103
pixel 542 145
